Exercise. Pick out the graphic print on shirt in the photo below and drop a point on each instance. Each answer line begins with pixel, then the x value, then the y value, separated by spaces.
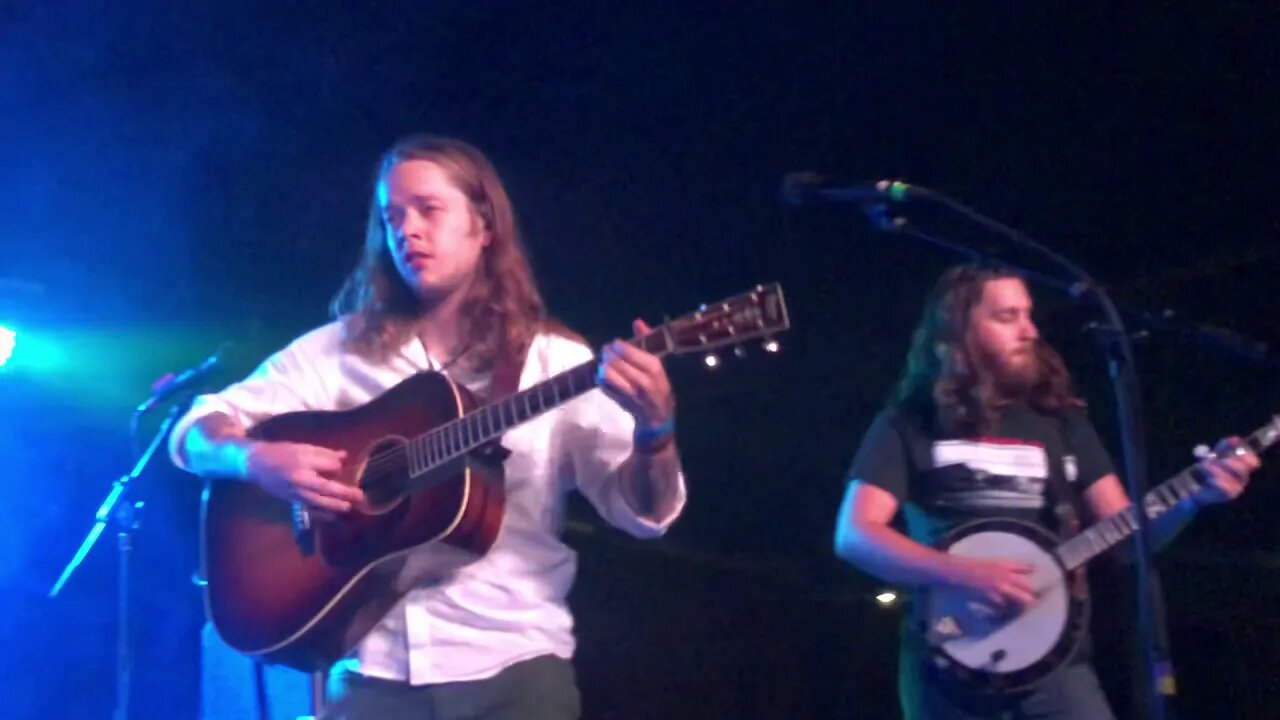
pixel 1003 474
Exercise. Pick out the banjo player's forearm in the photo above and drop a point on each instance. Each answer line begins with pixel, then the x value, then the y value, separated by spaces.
pixel 895 558
pixel 1167 527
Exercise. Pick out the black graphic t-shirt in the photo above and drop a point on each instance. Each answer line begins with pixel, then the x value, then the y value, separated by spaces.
pixel 941 483
pixel 944 482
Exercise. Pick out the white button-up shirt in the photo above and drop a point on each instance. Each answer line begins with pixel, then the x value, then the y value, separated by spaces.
pixel 510 604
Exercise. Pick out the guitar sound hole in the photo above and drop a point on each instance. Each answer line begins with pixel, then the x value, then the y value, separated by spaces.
pixel 385 474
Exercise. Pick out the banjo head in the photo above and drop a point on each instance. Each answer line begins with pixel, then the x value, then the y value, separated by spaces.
pixel 995 648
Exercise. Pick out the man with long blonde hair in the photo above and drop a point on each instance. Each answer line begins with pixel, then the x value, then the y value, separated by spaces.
pixel 443 285
pixel 984 424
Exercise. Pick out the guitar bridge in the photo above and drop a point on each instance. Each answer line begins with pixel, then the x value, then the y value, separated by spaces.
pixel 303 532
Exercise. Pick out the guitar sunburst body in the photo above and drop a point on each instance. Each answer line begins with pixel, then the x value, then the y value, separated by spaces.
pixel 302 597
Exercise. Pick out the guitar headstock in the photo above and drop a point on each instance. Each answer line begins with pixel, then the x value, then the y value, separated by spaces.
pixel 1265 436
pixel 757 314
pixel 1258 441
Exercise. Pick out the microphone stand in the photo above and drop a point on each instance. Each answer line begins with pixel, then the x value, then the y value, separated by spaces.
pixel 1159 685
pixel 119 509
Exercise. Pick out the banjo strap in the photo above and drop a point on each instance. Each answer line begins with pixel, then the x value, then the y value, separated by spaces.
pixel 1064 503
pixel 1061 496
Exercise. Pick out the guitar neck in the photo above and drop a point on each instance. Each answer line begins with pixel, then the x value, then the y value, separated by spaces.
pixel 1108 533
pixel 486 424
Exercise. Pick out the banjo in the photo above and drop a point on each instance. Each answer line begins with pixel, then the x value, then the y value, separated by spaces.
pixel 996 651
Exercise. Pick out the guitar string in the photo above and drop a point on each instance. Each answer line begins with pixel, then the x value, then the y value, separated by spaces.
pixel 1256 441
pixel 388 459
pixel 381 460
pixel 452 425
pixel 391 457
pixel 378 460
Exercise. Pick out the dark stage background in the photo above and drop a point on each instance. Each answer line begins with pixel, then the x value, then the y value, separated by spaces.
pixel 176 175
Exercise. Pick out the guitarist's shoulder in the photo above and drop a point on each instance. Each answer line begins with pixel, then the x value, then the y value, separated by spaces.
pixel 328 339
pixel 560 347
pixel 319 349
pixel 558 331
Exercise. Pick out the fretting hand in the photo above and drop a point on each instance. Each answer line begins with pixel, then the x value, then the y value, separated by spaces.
pixel 1225 475
pixel 637 381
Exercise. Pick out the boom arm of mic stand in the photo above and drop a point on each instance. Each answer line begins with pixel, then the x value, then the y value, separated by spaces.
pixel 108 509
pixel 124 514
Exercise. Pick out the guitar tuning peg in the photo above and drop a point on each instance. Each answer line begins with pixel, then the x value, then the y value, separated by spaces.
pixel 739 351
pixel 771 346
pixel 1202 452
pixel 711 360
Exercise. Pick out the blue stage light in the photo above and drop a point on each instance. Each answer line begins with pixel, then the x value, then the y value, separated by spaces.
pixel 8 341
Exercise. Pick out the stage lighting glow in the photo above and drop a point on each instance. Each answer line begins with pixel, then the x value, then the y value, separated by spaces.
pixel 887 597
pixel 8 341
pixel 41 353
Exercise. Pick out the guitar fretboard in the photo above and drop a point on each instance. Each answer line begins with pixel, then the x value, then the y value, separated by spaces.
pixel 486 424
pixel 1108 533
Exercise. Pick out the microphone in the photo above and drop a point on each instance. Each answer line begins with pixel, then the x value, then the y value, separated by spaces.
pixel 170 384
pixel 809 188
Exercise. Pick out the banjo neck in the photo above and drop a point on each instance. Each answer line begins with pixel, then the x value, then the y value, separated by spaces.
pixel 1108 533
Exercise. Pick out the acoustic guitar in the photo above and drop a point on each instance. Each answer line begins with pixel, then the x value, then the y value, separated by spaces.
pixel 285 589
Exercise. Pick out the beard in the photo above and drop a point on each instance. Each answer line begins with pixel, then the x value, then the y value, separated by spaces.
pixel 1014 376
